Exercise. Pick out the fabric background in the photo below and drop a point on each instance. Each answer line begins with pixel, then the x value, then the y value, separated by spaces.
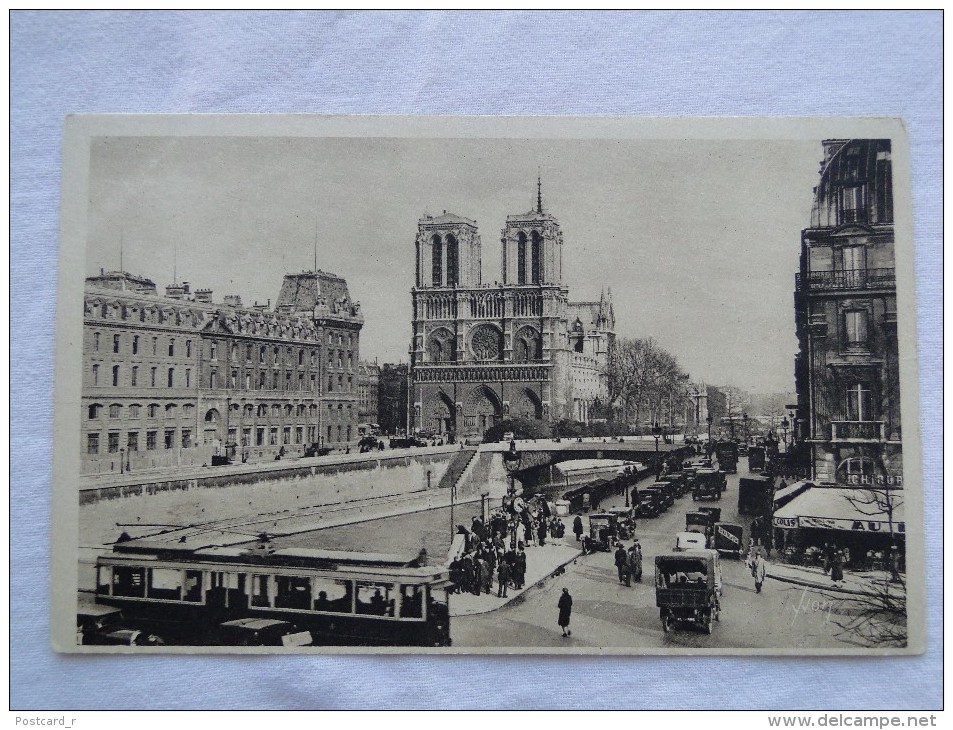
pixel 740 63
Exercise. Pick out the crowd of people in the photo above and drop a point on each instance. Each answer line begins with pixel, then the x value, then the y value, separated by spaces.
pixel 493 553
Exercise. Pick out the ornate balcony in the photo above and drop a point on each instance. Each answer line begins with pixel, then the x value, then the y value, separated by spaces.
pixel 847 279
pixel 872 432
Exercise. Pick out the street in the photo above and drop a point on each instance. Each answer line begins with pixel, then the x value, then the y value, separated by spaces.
pixel 605 613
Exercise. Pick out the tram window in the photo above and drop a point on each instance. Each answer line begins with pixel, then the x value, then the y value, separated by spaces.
pixel 411 601
pixel 375 599
pixel 103 579
pixel 193 586
pixel 293 592
pixel 129 582
pixel 332 595
pixel 259 595
pixel 165 583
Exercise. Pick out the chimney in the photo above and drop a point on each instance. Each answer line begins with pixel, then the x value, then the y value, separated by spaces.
pixel 203 295
pixel 233 300
pixel 175 291
pixel 185 287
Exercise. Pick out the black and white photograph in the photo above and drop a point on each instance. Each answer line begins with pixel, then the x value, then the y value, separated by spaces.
pixel 486 385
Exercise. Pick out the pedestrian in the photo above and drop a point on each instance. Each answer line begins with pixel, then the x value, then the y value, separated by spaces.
pixel 477 576
pixel 621 562
pixel 577 527
pixel 837 567
pixel 829 551
pixel 759 569
pixel 565 610
pixel 541 531
pixel 520 575
pixel 503 574
pixel 487 574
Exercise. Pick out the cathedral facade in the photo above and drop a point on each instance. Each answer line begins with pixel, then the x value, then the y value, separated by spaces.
pixel 482 353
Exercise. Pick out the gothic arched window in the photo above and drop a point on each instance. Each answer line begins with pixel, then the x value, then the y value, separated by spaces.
pixel 437 255
pixel 453 261
pixel 521 259
pixel 537 273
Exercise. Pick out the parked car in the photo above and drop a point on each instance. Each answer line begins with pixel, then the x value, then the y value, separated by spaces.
pixel 690 541
pixel 261 632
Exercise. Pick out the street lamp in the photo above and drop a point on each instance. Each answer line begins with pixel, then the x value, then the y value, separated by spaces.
pixel 709 420
pixel 657 432
pixel 453 500
pixel 784 429
pixel 744 417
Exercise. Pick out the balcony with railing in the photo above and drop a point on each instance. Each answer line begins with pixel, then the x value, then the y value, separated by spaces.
pixel 845 279
pixel 858 432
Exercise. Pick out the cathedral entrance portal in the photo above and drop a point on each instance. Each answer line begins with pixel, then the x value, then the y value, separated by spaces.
pixel 442 415
pixel 482 410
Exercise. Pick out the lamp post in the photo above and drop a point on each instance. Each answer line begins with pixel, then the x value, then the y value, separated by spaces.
pixel 744 417
pixel 784 430
pixel 709 420
pixel 657 432
pixel 453 500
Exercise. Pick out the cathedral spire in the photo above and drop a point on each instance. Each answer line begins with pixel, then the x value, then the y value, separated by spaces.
pixel 539 193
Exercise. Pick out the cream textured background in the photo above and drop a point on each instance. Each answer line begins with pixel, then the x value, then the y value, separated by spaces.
pixel 884 64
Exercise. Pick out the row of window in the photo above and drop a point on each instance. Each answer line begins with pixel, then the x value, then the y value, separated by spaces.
pixel 95 410
pixel 155 377
pixel 172 437
pixel 138 344
pixel 132 442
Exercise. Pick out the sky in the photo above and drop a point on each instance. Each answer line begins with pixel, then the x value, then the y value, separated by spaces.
pixel 697 239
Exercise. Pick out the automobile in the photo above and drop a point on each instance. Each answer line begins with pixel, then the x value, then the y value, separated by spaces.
pixel 667 489
pixel 727 453
pixel 678 482
pixel 603 531
pixel 714 513
pixel 648 504
pixel 507 437
pixel 699 522
pixel 625 519
pixel 686 591
pixel 661 496
pixel 690 541
pixel 709 484
pixel 261 632
pixel 728 538
pixel 756 458
pixel 98 625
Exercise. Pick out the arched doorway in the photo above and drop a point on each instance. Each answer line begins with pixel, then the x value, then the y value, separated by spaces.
pixel 442 415
pixel 483 409
pixel 527 405
pixel 212 430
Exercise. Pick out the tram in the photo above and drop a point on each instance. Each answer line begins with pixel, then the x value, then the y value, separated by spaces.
pixel 185 593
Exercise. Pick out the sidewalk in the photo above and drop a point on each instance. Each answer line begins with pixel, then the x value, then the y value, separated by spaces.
pixel 541 562
pixel 856 583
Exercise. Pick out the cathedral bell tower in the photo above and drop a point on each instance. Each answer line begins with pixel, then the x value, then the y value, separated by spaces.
pixel 448 252
pixel 532 245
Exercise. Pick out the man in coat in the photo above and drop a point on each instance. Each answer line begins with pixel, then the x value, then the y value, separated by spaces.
pixel 520 570
pixel 759 569
pixel 503 574
pixel 621 562
pixel 565 610
pixel 577 527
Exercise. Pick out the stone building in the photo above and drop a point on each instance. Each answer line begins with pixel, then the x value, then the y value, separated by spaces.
pixel 847 367
pixel 516 348
pixel 178 379
pixel 392 398
pixel 368 385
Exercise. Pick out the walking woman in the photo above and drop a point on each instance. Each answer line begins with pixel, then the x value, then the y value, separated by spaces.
pixel 565 609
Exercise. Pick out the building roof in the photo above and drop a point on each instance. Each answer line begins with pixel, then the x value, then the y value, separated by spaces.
pixel 856 184
pixel 447 218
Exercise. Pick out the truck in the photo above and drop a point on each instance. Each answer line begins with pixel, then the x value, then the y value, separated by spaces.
pixel 727 453
pixel 754 495
pixel 729 538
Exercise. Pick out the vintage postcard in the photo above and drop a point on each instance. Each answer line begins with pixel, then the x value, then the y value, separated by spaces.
pixel 486 385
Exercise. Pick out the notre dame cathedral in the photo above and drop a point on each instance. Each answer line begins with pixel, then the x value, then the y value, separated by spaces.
pixel 515 348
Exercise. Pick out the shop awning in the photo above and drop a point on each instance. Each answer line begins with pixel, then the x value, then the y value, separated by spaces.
pixel 785 495
pixel 836 508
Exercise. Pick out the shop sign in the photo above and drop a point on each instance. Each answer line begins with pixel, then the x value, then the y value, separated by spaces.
pixel 830 523
pixel 785 522
pixel 865 480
